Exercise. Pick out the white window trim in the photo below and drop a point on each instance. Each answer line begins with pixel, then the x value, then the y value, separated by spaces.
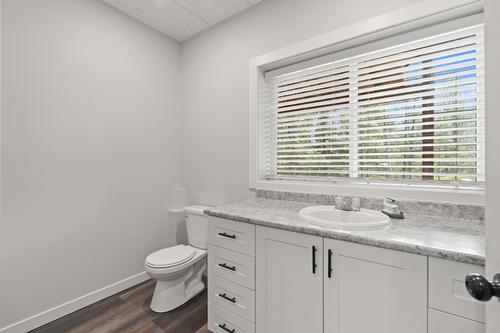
pixel 419 15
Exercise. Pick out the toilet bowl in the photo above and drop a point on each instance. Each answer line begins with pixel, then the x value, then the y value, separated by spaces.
pixel 178 270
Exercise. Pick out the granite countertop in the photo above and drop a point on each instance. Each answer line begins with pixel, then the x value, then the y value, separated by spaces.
pixel 452 239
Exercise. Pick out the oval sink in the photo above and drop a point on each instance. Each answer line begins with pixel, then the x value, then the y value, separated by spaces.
pixel 330 217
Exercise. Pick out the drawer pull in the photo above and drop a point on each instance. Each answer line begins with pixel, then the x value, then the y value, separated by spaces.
pixel 223 326
pixel 232 300
pixel 223 234
pixel 231 268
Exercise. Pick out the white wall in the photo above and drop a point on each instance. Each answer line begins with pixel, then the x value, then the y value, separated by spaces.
pixel 90 149
pixel 215 85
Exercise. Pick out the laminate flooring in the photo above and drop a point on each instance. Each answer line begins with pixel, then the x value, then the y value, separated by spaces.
pixel 128 311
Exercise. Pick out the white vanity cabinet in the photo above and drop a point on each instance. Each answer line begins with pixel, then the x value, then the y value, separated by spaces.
pixel 231 276
pixel 268 280
pixel 369 289
pixel 451 309
pixel 289 282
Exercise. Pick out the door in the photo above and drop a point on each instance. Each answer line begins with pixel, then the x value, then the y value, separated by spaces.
pixel 492 48
pixel 289 282
pixel 374 290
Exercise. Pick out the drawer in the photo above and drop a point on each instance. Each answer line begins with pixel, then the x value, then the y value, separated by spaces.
pixel 232 235
pixel 440 322
pixel 232 297
pixel 233 266
pixel 447 290
pixel 222 321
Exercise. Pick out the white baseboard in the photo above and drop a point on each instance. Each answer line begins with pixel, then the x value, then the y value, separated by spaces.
pixel 61 310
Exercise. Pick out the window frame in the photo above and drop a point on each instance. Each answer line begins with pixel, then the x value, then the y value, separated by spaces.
pixel 403 21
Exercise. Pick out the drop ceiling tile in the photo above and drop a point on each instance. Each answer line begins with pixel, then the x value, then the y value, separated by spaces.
pixel 254 2
pixel 165 16
pixel 214 11
pixel 173 20
pixel 128 6
pixel 181 19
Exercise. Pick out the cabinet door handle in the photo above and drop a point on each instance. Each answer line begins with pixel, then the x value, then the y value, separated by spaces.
pixel 231 268
pixel 230 299
pixel 223 326
pixel 330 269
pixel 314 265
pixel 223 234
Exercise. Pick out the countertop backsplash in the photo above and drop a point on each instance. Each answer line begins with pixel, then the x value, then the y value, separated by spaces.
pixel 411 207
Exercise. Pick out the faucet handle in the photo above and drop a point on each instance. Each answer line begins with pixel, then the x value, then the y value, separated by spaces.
pixel 389 201
pixel 391 209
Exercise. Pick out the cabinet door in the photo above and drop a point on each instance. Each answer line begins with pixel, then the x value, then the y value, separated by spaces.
pixel 289 289
pixel 447 290
pixel 374 290
pixel 441 322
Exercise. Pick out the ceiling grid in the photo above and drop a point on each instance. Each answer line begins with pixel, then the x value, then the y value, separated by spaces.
pixel 182 19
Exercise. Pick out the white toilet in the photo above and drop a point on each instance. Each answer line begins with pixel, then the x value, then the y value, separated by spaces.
pixel 179 269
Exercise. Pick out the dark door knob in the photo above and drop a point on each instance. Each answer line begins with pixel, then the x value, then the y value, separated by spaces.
pixel 482 289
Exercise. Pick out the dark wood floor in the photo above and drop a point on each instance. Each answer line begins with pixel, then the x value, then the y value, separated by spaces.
pixel 129 311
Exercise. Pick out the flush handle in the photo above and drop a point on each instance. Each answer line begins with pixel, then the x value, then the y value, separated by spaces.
pixel 482 289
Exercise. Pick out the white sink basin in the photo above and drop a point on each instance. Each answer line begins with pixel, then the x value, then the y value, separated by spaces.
pixel 330 217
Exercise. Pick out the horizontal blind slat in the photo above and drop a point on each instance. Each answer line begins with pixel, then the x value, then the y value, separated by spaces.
pixel 344 102
pixel 435 71
pixel 387 147
pixel 372 92
pixel 383 173
pixel 422 49
pixel 400 112
pixel 368 155
pixel 390 117
pixel 438 102
pixel 304 129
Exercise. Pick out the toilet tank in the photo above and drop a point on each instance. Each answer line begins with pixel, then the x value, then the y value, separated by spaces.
pixel 197 226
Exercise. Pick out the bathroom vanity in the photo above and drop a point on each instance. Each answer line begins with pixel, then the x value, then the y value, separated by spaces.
pixel 271 270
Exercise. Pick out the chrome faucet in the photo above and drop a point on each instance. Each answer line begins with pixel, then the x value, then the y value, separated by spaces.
pixel 348 203
pixel 391 209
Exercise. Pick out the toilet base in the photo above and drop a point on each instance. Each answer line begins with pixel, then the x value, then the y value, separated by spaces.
pixel 172 293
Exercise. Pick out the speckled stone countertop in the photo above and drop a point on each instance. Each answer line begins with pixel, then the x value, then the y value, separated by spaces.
pixel 453 239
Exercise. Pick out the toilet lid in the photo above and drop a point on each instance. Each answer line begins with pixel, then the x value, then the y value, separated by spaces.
pixel 171 256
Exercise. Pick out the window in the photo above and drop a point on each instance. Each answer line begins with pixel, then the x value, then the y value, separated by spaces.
pixel 411 113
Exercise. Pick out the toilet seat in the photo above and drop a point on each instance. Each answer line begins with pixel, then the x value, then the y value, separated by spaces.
pixel 170 257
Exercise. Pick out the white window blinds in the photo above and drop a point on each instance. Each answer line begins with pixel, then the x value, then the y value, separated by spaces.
pixel 412 112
